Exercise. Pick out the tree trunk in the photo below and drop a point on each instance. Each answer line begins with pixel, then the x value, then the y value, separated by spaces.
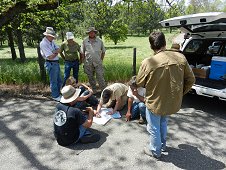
pixel 62 36
pixel 21 45
pixel 41 62
pixel 11 43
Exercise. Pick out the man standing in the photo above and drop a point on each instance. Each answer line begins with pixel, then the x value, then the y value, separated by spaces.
pixel 49 51
pixel 93 52
pixel 70 123
pixel 166 76
pixel 69 52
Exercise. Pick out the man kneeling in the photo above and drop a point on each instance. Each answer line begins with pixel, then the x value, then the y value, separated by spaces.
pixel 70 124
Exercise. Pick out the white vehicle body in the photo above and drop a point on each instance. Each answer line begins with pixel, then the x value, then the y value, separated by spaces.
pixel 205 38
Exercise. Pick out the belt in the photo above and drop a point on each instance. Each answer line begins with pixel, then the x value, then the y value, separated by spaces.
pixel 52 61
pixel 71 61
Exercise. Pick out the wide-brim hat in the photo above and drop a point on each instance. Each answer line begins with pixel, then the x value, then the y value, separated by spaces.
pixel 50 32
pixel 91 29
pixel 69 36
pixel 69 94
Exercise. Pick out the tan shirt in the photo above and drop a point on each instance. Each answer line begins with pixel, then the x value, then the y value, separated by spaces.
pixel 93 50
pixel 118 90
pixel 166 76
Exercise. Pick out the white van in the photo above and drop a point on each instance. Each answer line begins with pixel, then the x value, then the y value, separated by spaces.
pixel 204 46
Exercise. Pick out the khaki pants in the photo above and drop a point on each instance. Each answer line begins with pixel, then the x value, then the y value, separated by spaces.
pixel 90 70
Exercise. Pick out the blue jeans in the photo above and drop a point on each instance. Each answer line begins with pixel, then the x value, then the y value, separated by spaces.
pixel 157 128
pixel 138 108
pixel 68 65
pixel 53 69
pixel 82 132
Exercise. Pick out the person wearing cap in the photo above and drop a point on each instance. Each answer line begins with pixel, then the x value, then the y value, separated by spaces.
pixel 93 52
pixel 166 76
pixel 136 107
pixel 113 96
pixel 70 123
pixel 49 51
pixel 69 51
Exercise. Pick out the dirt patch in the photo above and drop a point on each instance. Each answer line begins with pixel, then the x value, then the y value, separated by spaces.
pixel 25 91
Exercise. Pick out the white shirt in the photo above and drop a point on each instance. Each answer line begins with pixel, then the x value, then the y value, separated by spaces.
pixel 47 48
pixel 141 91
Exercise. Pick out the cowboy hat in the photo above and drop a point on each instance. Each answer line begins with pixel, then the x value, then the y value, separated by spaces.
pixel 50 32
pixel 69 35
pixel 90 29
pixel 69 94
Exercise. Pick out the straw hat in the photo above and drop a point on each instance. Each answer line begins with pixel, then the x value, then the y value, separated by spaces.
pixel 69 35
pixel 50 32
pixel 90 29
pixel 69 94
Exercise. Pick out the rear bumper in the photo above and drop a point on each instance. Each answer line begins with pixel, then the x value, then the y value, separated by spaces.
pixel 210 92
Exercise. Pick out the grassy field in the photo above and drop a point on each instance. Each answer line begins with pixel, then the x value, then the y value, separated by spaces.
pixel 117 62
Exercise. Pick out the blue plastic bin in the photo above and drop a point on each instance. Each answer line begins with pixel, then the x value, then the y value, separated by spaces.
pixel 218 68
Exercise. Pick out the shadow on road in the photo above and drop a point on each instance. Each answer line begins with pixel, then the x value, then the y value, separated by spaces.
pixel 82 147
pixel 190 158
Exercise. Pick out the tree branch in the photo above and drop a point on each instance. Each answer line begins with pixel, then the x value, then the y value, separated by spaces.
pixel 22 7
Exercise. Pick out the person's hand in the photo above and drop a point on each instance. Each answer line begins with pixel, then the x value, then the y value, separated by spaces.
pixel 90 110
pixel 135 92
pixel 110 112
pixel 128 116
pixel 97 114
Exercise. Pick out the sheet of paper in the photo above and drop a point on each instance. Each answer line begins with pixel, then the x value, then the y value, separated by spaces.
pixel 105 117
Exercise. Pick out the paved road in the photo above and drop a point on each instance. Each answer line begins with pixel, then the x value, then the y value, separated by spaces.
pixel 196 139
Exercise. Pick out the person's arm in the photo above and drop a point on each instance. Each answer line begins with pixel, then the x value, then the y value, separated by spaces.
pixel 129 108
pixel 83 98
pixel 117 104
pixel 135 93
pixel 102 55
pixel 189 78
pixel 89 121
pixel 99 107
pixel 62 55
pixel 51 57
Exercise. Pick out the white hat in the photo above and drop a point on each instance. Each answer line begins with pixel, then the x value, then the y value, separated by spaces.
pixel 90 29
pixel 50 32
pixel 69 94
pixel 69 35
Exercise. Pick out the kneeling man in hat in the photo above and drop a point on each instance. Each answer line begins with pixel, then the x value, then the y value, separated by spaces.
pixel 70 124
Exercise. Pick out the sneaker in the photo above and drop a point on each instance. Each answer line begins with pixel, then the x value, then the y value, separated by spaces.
pixel 57 98
pixel 142 121
pixel 93 138
pixel 149 153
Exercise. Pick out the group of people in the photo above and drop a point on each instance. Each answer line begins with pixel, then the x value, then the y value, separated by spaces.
pixel 91 53
pixel 152 95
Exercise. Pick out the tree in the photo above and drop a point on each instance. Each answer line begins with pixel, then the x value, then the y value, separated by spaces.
pixel 9 10
pixel 117 31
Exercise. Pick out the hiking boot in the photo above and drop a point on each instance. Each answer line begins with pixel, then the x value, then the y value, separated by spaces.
pixel 93 138
pixel 142 121
pixel 149 153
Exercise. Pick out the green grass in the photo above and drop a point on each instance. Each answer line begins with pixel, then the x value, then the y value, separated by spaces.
pixel 117 63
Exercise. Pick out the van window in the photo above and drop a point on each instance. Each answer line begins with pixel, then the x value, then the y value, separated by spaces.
pixel 215 47
pixel 193 46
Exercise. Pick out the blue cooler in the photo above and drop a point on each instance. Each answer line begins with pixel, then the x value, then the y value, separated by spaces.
pixel 218 68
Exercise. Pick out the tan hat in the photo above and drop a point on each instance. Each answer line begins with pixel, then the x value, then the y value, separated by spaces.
pixel 69 35
pixel 69 94
pixel 90 29
pixel 50 32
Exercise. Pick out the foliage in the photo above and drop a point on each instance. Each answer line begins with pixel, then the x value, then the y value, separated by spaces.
pixel 117 31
